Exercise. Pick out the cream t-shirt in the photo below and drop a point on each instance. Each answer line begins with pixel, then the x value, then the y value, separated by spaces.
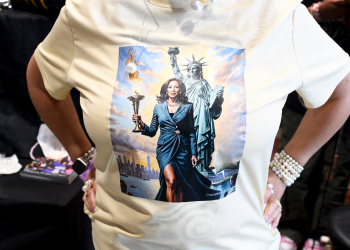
pixel 256 51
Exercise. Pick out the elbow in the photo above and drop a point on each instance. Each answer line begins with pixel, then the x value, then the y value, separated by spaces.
pixel 341 93
pixel 34 77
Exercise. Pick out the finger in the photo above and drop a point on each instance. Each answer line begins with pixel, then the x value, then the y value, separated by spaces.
pixel 274 215
pixel 91 200
pixel 86 202
pixel 268 194
pixel 276 221
pixel 269 210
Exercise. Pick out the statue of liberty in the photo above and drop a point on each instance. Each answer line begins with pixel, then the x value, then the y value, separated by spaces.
pixel 206 104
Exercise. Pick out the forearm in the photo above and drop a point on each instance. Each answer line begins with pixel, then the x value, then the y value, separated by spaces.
pixel 175 67
pixel 59 115
pixel 319 125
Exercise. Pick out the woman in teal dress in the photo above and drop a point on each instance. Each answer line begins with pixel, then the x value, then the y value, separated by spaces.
pixel 177 147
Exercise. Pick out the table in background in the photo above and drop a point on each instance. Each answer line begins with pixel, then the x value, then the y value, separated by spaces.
pixel 41 215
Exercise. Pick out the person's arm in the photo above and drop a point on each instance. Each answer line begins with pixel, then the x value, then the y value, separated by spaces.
pixel 316 128
pixel 152 129
pixel 175 67
pixel 59 115
pixel 320 124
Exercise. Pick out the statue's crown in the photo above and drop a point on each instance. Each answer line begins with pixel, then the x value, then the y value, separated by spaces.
pixel 194 63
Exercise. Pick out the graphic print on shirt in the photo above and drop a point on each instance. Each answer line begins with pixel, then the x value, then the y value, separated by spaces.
pixel 188 138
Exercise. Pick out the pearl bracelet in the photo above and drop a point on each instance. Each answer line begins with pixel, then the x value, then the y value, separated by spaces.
pixel 88 185
pixel 286 168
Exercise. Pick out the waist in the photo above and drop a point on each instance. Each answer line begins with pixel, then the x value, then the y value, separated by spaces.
pixel 173 132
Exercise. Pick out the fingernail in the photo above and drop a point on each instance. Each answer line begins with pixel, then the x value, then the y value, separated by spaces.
pixel 94 210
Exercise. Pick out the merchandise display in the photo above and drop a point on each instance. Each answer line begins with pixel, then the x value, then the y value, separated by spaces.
pixel 213 84
pixel 43 169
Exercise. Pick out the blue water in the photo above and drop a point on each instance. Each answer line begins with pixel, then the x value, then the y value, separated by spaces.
pixel 149 189
pixel 144 189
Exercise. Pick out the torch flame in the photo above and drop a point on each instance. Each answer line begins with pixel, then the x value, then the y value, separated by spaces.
pixel 136 88
pixel 133 76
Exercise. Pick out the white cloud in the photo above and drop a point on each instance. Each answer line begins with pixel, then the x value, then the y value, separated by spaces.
pixel 157 49
pixel 112 121
pixel 128 141
pixel 151 74
pixel 161 59
pixel 115 112
pixel 223 73
pixel 118 91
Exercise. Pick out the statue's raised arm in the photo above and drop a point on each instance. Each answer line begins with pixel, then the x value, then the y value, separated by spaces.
pixel 173 51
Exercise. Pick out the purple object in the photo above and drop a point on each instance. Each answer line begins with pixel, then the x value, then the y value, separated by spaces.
pixel 87 171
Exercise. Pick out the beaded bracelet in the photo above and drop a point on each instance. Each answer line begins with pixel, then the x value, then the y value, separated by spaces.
pixel 286 168
pixel 88 185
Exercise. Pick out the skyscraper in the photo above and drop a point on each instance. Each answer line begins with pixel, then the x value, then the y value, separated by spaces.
pixel 148 163
pixel 133 163
pixel 120 159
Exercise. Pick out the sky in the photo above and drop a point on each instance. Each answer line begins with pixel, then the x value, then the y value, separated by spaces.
pixel 225 66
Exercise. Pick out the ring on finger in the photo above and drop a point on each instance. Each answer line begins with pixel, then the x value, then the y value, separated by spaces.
pixel 88 185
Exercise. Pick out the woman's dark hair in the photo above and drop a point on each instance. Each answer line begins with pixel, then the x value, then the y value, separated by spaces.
pixel 182 98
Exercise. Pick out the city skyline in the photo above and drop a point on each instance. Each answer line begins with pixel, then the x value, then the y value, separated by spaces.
pixel 126 160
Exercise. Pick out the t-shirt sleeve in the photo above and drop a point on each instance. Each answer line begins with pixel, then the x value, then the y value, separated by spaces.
pixel 322 63
pixel 54 57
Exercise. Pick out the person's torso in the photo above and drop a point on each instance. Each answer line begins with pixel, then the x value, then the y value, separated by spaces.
pixel 239 47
